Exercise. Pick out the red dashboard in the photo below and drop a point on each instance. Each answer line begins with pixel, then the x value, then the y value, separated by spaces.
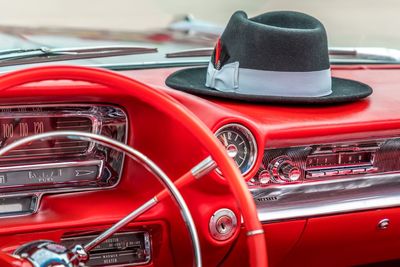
pixel 336 240
pixel 332 239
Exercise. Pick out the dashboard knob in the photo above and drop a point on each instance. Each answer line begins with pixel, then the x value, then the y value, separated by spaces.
pixel 283 170
pixel 264 177
pixel 289 173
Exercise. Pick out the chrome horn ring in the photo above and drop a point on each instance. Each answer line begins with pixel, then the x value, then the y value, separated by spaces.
pixel 138 157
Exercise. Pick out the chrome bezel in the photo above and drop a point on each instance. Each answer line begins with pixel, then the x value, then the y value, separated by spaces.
pixel 250 138
pixel 96 130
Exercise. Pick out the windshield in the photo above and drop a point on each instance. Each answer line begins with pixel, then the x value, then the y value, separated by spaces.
pixel 176 25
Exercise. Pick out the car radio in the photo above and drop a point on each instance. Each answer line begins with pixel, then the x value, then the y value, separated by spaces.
pixel 328 161
pixel 336 160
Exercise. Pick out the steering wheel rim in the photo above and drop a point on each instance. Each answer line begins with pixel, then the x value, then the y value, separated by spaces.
pixel 168 105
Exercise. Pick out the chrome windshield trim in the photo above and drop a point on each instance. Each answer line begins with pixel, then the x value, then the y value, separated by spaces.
pixel 13 57
pixel 366 53
pixel 327 197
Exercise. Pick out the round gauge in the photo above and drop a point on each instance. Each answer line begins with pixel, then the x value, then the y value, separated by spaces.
pixel 240 145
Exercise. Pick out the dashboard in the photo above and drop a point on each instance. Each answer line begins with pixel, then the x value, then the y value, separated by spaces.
pixel 316 173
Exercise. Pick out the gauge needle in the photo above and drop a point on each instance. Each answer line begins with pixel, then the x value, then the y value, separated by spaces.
pixel 225 141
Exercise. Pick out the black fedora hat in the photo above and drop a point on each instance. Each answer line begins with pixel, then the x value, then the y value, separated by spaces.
pixel 279 57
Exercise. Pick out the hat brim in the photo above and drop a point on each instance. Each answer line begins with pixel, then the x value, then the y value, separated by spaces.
pixel 192 80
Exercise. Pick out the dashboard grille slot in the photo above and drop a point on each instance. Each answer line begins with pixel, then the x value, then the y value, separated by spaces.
pixel 266 199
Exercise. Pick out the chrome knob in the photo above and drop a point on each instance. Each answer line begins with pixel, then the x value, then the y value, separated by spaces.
pixel 283 170
pixel 289 173
pixel 264 177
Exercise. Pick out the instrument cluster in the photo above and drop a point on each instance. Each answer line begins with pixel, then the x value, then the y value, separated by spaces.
pixel 240 145
pixel 59 164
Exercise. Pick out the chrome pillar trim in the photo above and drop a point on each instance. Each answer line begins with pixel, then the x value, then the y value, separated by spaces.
pixel 120 224
pixel 314 199
pixel 133 154
pixel 204 167
pixel 255 232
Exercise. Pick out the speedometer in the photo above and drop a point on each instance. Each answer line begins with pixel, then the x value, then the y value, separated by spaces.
pixel 240 145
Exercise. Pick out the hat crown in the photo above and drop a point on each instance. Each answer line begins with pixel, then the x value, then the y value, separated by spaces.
pixel 275 41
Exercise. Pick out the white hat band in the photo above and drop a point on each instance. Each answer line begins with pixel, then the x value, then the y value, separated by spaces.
pixel 231 78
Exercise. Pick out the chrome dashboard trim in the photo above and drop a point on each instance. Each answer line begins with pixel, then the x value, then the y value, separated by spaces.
pixel 38 197
pixel 364 192
pixel 35 198
pixel 99 163
pixel 52 165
